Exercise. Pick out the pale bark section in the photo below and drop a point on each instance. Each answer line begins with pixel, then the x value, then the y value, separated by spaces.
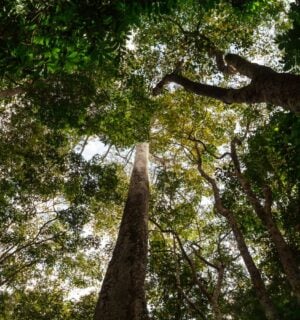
pixel 122 296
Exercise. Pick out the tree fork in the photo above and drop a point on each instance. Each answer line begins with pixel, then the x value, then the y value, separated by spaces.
pixel 267 85
pixel 122 295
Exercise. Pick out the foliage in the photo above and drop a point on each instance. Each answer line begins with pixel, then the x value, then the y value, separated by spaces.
pixel 59 211
pixel 48 195
pixel 44 304
pixel 289 40
pixel 125 116
pixel 270 158
pixel 41 38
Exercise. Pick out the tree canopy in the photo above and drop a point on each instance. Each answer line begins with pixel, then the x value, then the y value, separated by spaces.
pixel 214 87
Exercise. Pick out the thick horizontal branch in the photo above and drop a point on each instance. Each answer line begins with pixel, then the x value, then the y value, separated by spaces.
pixel 195 87
pixel 245 67
pixel 267 85
pixel 7 93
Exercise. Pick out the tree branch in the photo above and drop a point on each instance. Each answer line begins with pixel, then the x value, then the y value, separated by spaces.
pixel 191 138
pixel 84 144
pixel 7 93
pixel 246 68
pixel 204 260
pixel 180 289
pixel 192 266
pixel 218 202
pixel 32 242
pixel 251 196
pixel 245 94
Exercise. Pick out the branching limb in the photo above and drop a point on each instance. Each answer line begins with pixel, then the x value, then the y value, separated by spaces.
pixel 16 271
pixel 195 87
pixel 192 138
pixel 246 68
pixel 187 258
pixel 106 153
pixel 218 202
pixel 84 144
pixel 8 93
pixel 179 287
pixel 8 253
pixel 200 285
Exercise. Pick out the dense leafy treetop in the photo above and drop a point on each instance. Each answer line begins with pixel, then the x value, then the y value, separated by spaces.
pixel 39 38
pixel 79 80
pixel 289 41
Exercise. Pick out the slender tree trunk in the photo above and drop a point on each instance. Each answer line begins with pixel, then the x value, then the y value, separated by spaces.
pixel 256 279
pixel 285 254
pixel 264 213
pixel 217 312
pixel 122 296
pixel 217 292
pixel 255 275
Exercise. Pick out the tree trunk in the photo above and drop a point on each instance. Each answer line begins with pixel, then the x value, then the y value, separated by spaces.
pixel 255 276
pixel 264 213
pixel 285 254
pixel 256 279
pixel 267 85
pixel 122 296
pixel 217 292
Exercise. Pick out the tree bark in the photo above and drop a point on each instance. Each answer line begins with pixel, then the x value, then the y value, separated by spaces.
pixel 122 296
pixel 8 93
pixel 256 279
pixel 267 85
pixel 264 213
pixel 217 292
pixel 255 275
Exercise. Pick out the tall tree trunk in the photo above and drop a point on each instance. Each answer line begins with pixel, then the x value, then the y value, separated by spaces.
pixel 264 213
pixel 122 296
pixel 256 279
pixel 255 275
pixel 285 254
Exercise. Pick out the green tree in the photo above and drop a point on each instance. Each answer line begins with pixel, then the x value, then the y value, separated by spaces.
pixel 42 303
pixel 43 38
pixel 75 79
